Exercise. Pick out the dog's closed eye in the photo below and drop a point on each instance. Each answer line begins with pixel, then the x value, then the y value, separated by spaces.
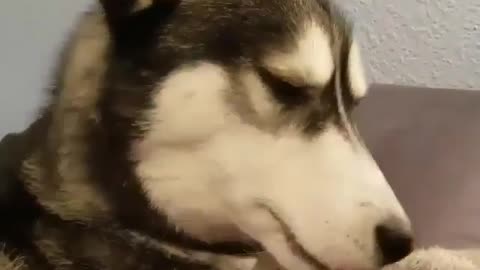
pixel 289 94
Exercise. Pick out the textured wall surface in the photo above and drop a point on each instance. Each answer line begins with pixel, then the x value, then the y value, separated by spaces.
pixel 415 42
pixel 432 43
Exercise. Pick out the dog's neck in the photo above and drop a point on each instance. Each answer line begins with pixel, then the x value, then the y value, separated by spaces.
pixel 132 220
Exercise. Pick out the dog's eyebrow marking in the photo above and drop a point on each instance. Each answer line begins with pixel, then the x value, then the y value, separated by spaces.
pixel 340 103
pixel 309 60
pixel 356 73
pixel 289 95
pixel 292 241
pixel 339 85
pixel 143 4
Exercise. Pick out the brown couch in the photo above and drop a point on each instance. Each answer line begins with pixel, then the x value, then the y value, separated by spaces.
pixel 427 141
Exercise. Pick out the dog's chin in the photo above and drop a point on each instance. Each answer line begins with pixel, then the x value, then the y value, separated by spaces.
pixel 266 261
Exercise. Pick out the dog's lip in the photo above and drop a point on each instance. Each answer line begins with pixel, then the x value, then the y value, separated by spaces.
pixel 353 268
pixel 300 251
pixel 296 247
pixel 278 266
pixel 323 267
pixel 346 268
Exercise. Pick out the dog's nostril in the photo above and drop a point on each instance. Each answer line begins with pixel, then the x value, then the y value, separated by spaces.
pixel 394 244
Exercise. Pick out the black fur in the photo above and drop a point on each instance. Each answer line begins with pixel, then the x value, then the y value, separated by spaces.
pixel 144 46
pixel 126 96
pixel 45 241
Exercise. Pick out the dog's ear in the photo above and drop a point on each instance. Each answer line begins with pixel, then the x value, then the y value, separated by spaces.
pixel 117 11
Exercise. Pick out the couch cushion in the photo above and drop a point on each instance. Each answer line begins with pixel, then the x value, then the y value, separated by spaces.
pixel 427 142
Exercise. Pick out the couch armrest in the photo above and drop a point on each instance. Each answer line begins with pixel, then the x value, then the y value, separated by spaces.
pixel 427 142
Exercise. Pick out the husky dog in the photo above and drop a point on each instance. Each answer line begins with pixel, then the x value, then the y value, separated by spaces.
pixel 178 133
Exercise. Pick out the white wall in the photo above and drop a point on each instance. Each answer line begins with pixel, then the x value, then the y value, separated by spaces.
pixel 31 32
pixel 415 42
pixel 432 43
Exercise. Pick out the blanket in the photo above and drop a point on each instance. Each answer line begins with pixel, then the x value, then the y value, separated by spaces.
pixel 434 258
pixel 437 258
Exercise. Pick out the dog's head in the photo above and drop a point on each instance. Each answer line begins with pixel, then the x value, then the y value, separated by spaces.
pixel 247 128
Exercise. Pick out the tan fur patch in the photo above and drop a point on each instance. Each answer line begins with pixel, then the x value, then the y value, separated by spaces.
pixel 74 200
pixel 54 254
pixel 66 191
pixel 142 4
pixel 7 264
pixel 77 102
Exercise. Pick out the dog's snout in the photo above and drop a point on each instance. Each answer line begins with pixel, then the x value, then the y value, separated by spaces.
pixel 394 242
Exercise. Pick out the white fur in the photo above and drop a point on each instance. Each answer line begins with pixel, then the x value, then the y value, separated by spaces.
pixel 195 109
pixel 259 97
pixel 209 171
pixel 206 169
pixel 142 4
pixel 190 111
pixel 356 74
pixel 310 61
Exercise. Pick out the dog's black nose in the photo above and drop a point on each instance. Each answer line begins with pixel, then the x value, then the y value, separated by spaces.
pixel 394 244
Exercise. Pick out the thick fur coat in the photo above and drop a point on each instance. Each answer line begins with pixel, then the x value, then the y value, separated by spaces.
pixel 179 133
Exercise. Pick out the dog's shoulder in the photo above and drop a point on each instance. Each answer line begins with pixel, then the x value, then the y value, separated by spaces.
pixel 14 147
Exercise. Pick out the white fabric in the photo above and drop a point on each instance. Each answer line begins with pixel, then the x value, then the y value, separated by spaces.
pixel 436 258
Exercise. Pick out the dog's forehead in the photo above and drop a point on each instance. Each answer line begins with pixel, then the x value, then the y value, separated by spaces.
pixel 259 25
pixel 301 39
pixel 285 9
pixel 298 41
pixel 262 27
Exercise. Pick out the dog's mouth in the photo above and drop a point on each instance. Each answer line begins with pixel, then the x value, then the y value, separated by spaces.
pixel 296 248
